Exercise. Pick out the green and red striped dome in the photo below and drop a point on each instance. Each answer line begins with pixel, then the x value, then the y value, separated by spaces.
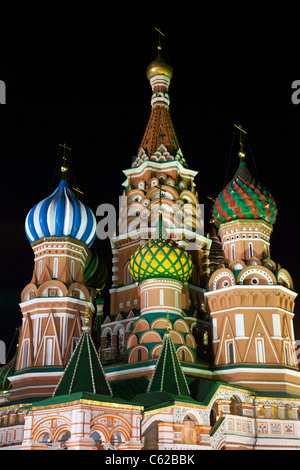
pixel 244 198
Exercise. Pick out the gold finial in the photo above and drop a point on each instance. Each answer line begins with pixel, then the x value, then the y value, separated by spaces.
pixel 168 322
pixel 241 152
pixel 86 319
pixel 64 168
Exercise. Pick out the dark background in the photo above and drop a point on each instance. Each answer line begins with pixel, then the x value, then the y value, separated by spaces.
pixel 78 76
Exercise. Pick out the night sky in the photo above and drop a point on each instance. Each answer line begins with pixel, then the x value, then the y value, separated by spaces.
pixel 83 82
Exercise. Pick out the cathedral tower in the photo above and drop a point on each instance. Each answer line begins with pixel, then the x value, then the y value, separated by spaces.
pixel 158 182
pixel 250 297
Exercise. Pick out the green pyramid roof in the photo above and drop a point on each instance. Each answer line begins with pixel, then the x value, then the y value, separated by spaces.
pixel 168 375
pixel 84 372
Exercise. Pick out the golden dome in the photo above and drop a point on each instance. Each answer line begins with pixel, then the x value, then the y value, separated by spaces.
pixel 159 67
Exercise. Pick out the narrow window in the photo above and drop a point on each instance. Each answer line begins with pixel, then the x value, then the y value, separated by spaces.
pixel 26 355
pixel 260 353
pixel 239 324
pixel 73 269
pixel 232 252
pixel 146 299
pixel 40 268
pixel 215 328
pixel 161 297
pixel 55 268
pixel 287 355
pixel 139 357
pixel 276 324
pixel 49 351
pixel 230 354
pixel 250 250
pixel 176 299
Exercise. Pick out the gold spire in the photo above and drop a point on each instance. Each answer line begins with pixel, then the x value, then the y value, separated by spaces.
pixel 241 153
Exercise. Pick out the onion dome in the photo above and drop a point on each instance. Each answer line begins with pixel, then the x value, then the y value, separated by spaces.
pixel 61 215
pixel 160 258
pixel 244 198
pixel 96 272
pixel 159 67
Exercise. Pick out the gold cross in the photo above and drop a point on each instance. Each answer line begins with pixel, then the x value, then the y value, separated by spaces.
pixel 160 33
pixel 64 168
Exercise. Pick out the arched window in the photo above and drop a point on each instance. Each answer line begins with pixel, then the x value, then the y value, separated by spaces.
pixel 274 411
pixel 189 430
pixel 214 414
pixel 288 411
pixel 236 407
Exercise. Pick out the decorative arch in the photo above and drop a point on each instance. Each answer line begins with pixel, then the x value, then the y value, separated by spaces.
pixel 84 293
pixel 220 278
pixel 159 323
pixel 181 325
pixel 150 336
pixel 27 290
pixel 256 272
pixel 185 354
pixel 133 354
pixel 155 352
pixel 140 325
pixel 177 337
pixel 111 421
pixel 60 430
pixel 56 285
pixel 284 278
pixel 191 197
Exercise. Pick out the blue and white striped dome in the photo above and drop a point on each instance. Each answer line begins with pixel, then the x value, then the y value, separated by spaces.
pixel 61 215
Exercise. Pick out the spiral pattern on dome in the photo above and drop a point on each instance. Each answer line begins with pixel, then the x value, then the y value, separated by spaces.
pixel 61 215
pixel 244 198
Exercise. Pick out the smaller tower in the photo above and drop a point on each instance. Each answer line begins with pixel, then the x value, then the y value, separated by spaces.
pixel 61 230
pixel 250 298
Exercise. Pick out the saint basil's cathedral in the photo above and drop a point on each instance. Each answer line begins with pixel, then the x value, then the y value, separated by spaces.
pixel 196 350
